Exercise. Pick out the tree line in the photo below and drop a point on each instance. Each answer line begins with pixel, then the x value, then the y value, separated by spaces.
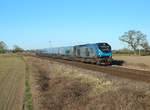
pixel 137 44
pixel 4 48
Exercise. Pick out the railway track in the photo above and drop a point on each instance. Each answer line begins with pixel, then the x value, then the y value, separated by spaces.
pixel 139 75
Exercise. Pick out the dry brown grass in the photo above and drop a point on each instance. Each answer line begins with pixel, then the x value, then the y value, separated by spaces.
pixel 63 87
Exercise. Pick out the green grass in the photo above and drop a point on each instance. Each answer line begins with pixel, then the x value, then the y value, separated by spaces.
pixel 28 94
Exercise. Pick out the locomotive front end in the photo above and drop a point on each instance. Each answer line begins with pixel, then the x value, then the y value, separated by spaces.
pixel 104 53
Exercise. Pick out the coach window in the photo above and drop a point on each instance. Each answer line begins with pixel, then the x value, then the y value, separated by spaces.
pixel 67 52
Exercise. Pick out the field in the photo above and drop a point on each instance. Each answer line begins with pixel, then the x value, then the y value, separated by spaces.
pixel 139 62
pixel 67 85
pixel 12 71
pixel 59 86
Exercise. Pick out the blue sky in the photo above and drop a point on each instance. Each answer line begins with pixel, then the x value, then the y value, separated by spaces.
pixel 31 24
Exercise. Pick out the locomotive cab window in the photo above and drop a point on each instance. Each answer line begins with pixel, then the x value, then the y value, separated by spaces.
pixel 104 47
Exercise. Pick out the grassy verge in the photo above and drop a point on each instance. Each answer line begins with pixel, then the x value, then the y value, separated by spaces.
pixel 28 94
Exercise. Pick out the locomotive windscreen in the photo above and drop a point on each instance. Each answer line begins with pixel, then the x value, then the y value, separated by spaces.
pixel 104 47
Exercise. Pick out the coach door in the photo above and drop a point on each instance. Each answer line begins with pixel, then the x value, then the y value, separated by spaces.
pixel 74 51
pixel 87 52
pixel 78 52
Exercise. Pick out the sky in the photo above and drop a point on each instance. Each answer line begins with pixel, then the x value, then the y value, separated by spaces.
pixel 34 24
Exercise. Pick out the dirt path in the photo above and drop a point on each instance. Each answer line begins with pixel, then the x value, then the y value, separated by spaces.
pixel 116 71
pixel 12 70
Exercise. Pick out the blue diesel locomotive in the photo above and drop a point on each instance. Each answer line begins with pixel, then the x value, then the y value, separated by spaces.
pixel 95 53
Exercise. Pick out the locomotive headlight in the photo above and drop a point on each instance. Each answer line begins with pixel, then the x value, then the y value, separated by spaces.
pixel 98 55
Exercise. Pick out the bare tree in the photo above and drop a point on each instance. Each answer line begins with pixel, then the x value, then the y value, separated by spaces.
pixel 133 38
pixel 3 47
